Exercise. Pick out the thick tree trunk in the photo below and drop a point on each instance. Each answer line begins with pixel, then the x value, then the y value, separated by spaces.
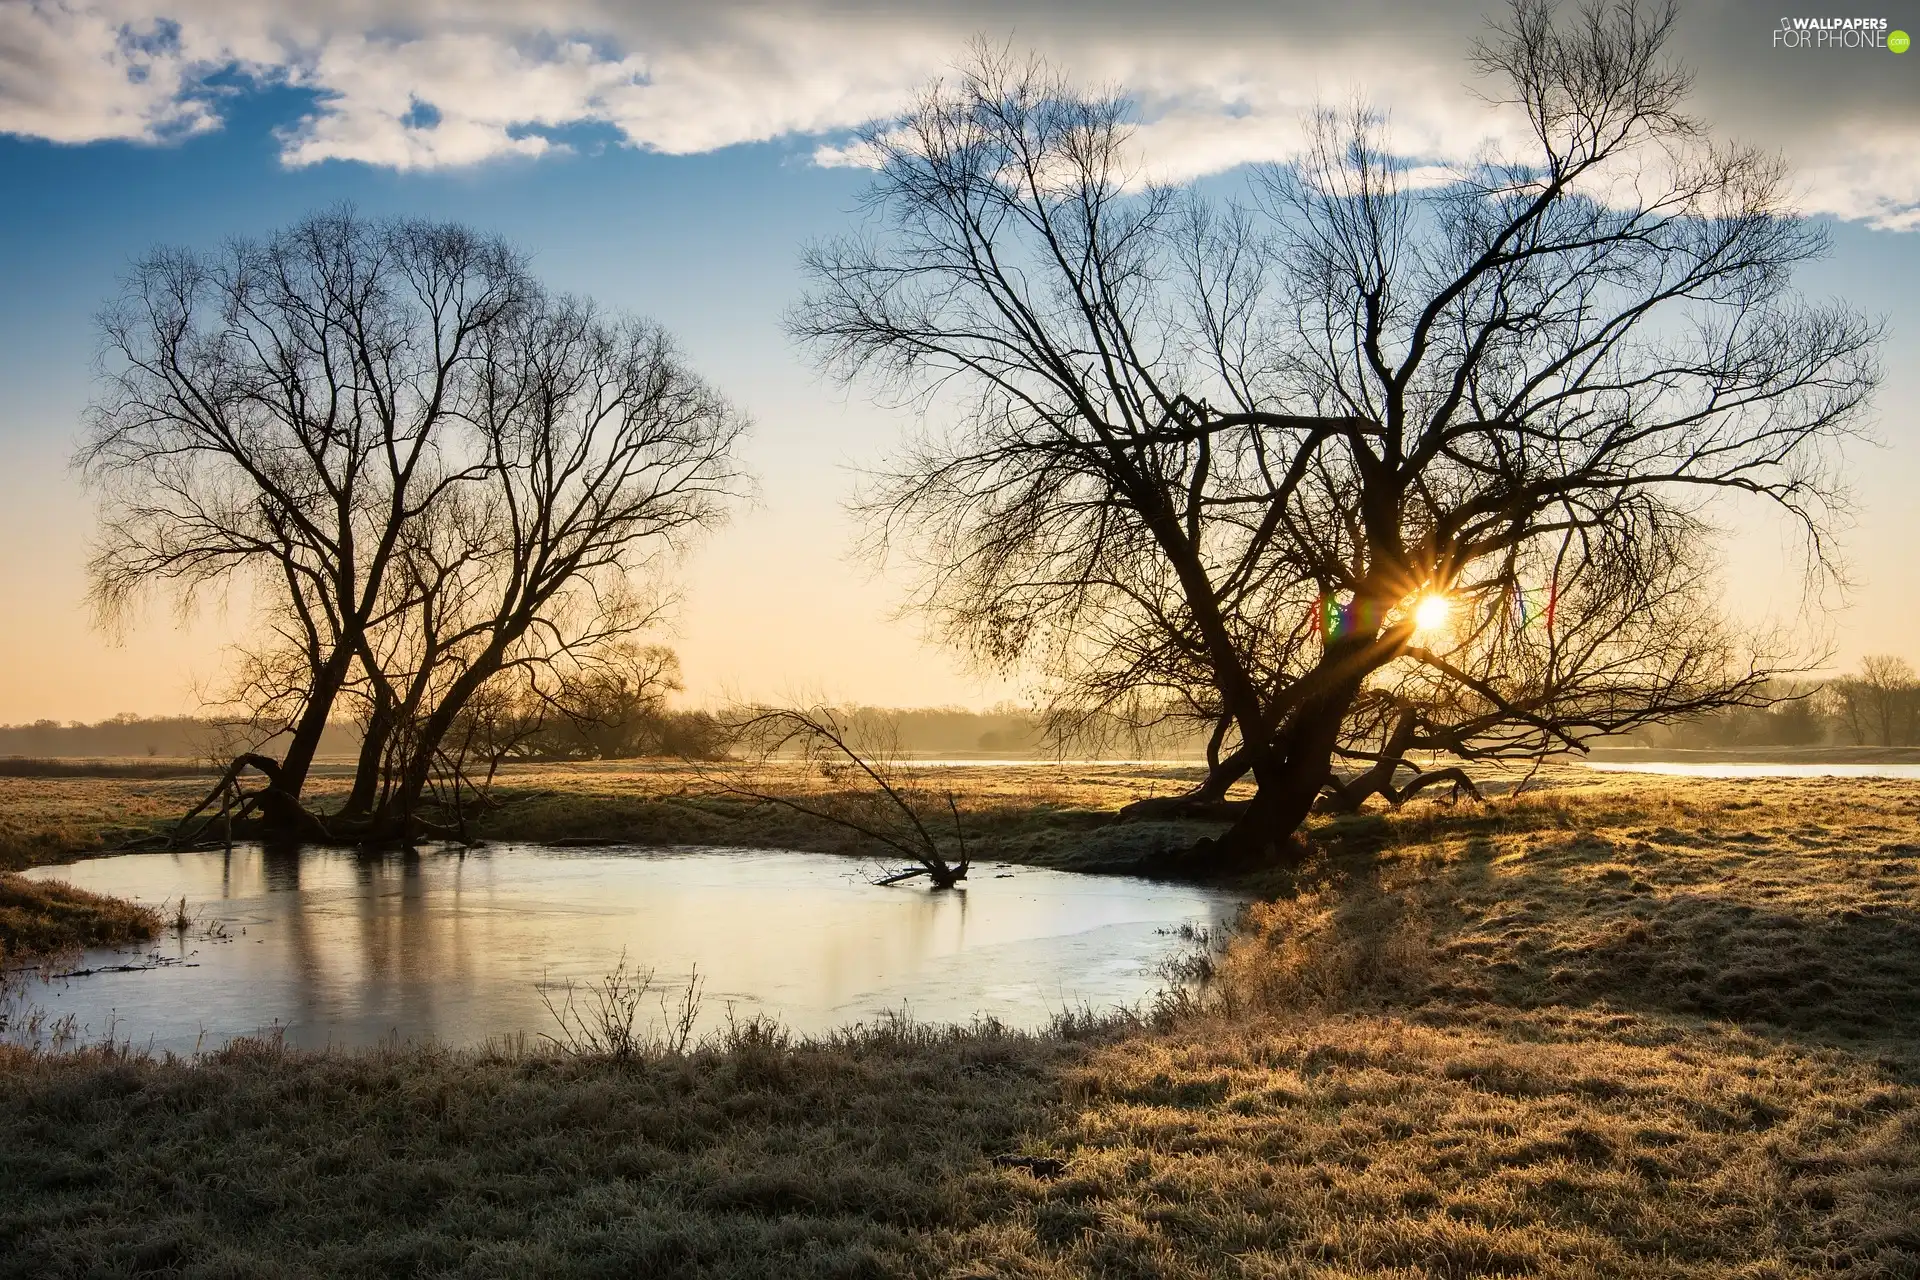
pixel 297 760
pixel 281 814
pixel 1289 782
pixel 373 750
pixel 1296 764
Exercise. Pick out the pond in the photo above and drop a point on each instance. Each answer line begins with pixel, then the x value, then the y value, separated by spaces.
pixel 338 948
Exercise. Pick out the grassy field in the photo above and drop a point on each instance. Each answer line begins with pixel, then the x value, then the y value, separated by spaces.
pixel 1620 1026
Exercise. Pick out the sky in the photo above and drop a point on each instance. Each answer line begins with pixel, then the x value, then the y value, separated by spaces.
pixel 673 159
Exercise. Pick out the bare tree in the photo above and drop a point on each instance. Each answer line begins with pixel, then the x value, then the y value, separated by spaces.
pixel 610 704
pixel 272 416
pixel 427 468
pixel 591 455
pixel 1880 705
pixel 851 778
pixel 1228 452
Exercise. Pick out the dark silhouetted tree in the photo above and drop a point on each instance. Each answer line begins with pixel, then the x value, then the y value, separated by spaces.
pixel 1212 458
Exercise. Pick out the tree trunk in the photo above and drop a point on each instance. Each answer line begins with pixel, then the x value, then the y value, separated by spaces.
pixel 1294 768
pixel 403 801
pixel 298 757
pixel 373 750
pixel 281 814
pixel 1287 791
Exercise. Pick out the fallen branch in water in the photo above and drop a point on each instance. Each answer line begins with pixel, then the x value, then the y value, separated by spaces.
pixel 885 810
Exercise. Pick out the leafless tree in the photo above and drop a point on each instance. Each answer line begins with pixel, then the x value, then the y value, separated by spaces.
pixel 272 415
pixel 840 774
pixel 1880 705
pixel 591 455
pixel 609 704
pixel 429 468
pixel 1224 452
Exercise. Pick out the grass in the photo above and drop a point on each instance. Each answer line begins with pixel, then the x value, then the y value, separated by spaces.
pixel 1042 815
pixel 1622 1026
pixel 39 918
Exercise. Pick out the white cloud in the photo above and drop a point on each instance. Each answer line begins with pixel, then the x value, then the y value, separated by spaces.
pixel 415 84
pixel 81 76
pixel 1872 175
pixel 452 99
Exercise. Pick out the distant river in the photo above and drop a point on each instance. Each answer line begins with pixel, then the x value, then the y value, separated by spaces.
pixel 350 950
pixel 1756 769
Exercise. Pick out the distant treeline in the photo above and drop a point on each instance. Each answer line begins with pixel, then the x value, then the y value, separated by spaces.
pixel 1005 730
pixel 190 737
pixel 1879 706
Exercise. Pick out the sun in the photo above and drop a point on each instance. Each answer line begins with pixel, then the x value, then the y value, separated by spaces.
pixel 1431 613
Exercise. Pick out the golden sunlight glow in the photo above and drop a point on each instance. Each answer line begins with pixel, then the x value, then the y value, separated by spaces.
pixel 1431 613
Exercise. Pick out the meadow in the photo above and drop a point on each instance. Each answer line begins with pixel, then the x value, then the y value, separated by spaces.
pixel 1614 1026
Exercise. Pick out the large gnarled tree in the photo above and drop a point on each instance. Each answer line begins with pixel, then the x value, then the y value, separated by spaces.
pixel 1222 454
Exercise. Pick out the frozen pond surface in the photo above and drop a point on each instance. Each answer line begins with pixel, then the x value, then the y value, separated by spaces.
pixel 348 949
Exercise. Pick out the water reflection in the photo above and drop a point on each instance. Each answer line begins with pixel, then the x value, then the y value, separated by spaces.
pixel 280 864
pixel 348 949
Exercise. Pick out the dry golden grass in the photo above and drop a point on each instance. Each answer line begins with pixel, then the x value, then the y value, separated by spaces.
pixel 52 819
pixel 1043 814
pixel 1568 1143
pixel 1623 1026
pixel 1794 902
pixel 42 917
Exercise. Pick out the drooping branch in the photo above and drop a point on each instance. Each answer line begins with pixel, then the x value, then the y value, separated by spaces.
pixel 889 814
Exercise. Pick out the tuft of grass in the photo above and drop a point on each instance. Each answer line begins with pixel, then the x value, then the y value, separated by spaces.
pixel 603 1017
pixel 44 917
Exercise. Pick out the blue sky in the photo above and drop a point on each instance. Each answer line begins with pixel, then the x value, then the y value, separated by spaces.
pixel 679 174
pixel 706 244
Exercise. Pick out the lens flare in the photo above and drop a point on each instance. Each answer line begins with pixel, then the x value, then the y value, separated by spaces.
pixel 1431 613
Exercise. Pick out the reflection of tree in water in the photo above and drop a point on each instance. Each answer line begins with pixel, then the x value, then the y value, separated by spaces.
pixel 280 866
pixel 404 946
pixel 343 949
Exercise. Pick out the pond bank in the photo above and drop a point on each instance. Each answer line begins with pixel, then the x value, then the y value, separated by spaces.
pixel 42 918
pixel 1036 815
pixel 1031 815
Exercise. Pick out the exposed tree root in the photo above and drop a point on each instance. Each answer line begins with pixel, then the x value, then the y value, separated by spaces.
pixel 271 814
pixel 280 811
